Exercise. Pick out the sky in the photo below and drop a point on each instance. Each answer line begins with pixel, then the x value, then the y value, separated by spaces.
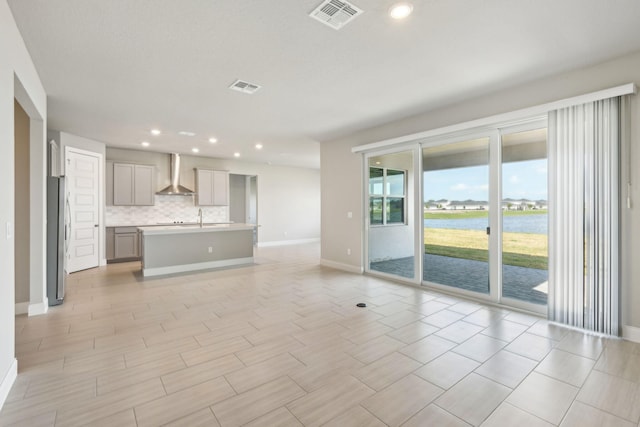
pixel 520 180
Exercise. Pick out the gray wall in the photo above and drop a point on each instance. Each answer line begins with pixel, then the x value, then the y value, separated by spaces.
pixel 342 170
pixel 18 80
pixel 288 197
pixel 65 139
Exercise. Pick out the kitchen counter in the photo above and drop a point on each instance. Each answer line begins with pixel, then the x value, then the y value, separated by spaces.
pixel 172 249
pixel 194 228
pixel 159 224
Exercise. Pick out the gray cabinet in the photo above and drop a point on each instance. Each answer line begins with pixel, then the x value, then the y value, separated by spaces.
pixel 110 242
pixel 212 187
pixel 133 185
pixel 122 244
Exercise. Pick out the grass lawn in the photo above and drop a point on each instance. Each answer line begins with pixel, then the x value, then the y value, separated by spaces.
pixel 463 214
pixel 519 249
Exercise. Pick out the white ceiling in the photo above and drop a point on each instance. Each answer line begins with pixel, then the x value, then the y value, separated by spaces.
pixel 114 69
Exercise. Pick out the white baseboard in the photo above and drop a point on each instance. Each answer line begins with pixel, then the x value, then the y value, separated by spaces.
pixel 22 308
pixel 340 266
pixel 631 333
pixel 288 242
pixel 39 308
pixel 7 382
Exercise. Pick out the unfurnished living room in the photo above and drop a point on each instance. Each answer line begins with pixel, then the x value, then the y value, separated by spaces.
pixel 319 213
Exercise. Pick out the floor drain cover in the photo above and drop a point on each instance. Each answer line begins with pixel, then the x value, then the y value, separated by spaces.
pixel 361 304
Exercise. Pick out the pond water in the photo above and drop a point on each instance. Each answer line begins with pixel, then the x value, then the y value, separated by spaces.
pixel 537 223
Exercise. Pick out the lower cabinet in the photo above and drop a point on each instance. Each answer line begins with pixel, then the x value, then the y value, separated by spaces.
pixel 122 244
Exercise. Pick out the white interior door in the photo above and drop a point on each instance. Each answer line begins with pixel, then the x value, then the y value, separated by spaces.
pixel 83 188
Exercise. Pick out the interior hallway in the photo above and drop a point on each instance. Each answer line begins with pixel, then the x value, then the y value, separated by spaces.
pixel 282 343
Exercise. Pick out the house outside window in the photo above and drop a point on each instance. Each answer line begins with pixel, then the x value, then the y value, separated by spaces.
pixel 387 196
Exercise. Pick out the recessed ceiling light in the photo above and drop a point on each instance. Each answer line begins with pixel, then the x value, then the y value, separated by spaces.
pixel 155 132
pixel 213 140
pixel 400 10
pixel 258 146
pixel 236 154
pixel 186 133
pixel 195 150
pixel 145 144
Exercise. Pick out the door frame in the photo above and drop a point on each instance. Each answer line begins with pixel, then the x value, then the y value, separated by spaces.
pixel 249 199
pixel 102 260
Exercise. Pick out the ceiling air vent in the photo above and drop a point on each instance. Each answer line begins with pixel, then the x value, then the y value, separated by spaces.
pixel 244 87
pixel 336 13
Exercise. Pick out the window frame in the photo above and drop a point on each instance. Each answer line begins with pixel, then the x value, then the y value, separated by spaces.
pixel 387 197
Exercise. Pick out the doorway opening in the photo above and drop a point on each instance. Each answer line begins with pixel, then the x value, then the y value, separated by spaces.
pixel 243 201
pixel 21 205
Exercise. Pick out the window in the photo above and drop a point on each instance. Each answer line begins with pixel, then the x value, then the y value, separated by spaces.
pixel 387 191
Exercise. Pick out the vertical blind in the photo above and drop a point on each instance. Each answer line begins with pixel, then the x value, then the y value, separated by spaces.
pixel 584 156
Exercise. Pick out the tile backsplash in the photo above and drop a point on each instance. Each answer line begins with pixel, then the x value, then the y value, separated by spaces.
pixel 166 209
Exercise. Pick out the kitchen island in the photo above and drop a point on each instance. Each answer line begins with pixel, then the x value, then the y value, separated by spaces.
pixel 179 248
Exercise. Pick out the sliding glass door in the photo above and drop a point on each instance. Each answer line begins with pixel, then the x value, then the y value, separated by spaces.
pixel 481 227
pixel 524 216
pixel 456 215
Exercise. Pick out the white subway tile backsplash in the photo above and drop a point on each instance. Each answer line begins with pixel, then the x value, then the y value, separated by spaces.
pixel 166 209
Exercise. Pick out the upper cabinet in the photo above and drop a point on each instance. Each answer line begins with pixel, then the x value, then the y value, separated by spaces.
pixel 133 185
pixel 212 187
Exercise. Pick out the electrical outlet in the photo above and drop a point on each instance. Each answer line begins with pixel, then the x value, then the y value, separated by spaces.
pixel 349 215
pixel 210 249
pixel 285 234
pixel 348 251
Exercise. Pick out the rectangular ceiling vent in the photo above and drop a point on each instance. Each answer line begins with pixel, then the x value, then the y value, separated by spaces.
pixel 244 87
pixel 336 13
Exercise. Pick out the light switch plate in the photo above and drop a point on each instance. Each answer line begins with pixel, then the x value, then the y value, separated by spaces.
pixel 9 230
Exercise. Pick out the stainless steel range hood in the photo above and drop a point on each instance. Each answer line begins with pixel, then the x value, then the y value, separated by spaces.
pixel 175 189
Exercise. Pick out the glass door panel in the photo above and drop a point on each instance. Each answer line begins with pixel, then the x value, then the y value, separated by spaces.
pixel 456 215
pixel 524 216
pixel 391 220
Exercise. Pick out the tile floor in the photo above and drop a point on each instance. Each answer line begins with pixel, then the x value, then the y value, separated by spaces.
pixel 281 343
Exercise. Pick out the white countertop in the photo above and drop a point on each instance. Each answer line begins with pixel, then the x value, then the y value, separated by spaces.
pixel 193 228
pixel 160 224
pixel 139 224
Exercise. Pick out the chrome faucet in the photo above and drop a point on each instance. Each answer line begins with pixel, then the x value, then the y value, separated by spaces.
pixel 200 217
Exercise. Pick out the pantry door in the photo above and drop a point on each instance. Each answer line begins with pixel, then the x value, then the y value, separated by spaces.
pixel 82 216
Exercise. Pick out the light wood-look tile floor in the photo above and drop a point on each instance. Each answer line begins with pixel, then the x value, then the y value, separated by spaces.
pixel 281 343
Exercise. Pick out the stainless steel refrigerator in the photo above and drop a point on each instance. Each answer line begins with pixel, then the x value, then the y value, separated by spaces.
pixel 56 239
